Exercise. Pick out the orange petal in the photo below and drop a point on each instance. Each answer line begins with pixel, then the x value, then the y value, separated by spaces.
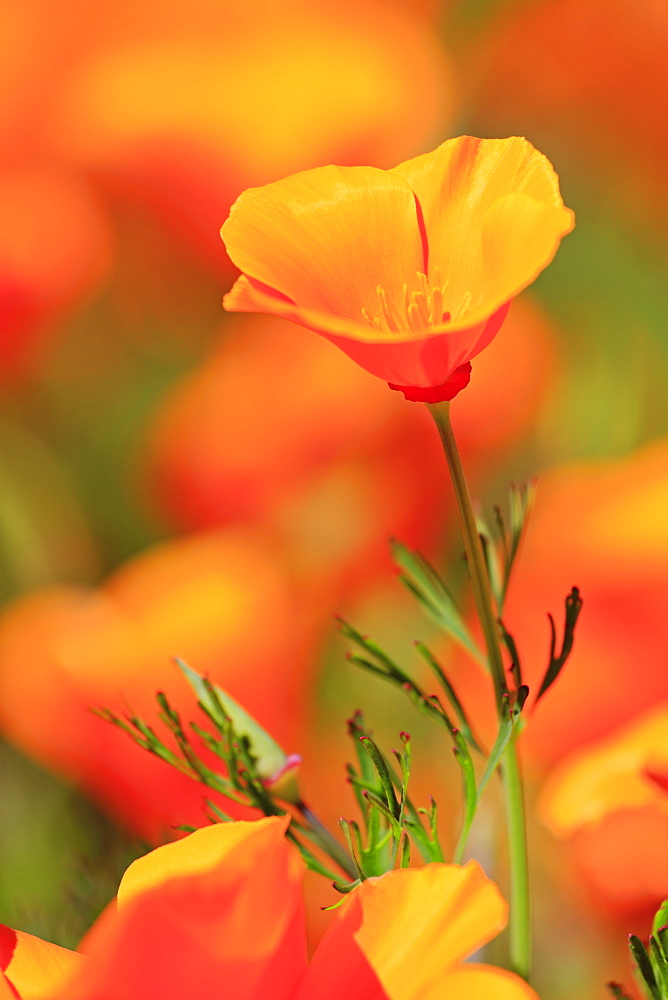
pixel 200 854
pixel 34 967
pixel 412 927
pixel 493 216
pixel 480 982
pixel 219 913
pixel 418 924
pixel 326 238
pixel 339 967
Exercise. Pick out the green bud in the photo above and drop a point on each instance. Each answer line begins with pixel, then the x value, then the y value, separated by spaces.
pixel 276 768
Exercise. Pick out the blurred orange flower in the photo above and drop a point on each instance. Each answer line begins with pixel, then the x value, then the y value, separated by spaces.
pixel 580 77
pixel 55 251
pixel 410 271
pixel 333 451
pixel 176 111
pixel 199 598
pixel 221 910
pixel 611 802
pixel 601 526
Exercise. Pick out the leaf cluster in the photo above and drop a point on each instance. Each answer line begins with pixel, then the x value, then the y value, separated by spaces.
pixel 242 781
pixel 500 548
pixel 390 820
pixel 651 960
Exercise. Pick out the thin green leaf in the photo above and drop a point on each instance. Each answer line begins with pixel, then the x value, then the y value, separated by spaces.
pixel 661 936
pixel 494 571
pixel 573 607
pixel 383 773
pixel 372 648
pixel 515 663
pixel 520 500
pixel 659 965
pixel 501 742
pixel 382 807
pixel 216 814
pixel 344 888
pixel 644 966
pixel 473 799
pixel 356 729
pixel 449 691
pixel 427 586
pixel 463 758
pixel 313 863
pixel 349 827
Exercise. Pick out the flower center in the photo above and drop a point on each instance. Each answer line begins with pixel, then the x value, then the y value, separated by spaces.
pixel 421 308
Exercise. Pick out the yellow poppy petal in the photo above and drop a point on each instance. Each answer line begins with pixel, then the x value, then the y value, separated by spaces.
pixel 480 982
pixel 493 216
pixel 327 238
pixel 220 912
pixel 201 852
pixel 36 968
pixel 418 924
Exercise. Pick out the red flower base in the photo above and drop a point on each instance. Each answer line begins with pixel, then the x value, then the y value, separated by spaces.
pixel 453 384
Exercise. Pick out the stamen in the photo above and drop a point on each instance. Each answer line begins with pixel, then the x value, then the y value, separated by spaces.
pixel 414 318
pixel 424 284
pixel 385 310
pixel 464 304
pixel 405 298
pixel 371 319
pixel 420 301
pixel 436 305
pixel 420 309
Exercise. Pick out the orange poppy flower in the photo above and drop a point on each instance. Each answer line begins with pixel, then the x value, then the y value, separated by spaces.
pixel 220 912
pixel 410 271
pixel 609 799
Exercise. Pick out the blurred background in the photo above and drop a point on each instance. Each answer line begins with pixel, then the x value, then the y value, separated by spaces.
pixel 176 481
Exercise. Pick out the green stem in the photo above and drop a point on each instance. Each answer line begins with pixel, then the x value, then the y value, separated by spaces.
pixel 520 921
pixel 482 593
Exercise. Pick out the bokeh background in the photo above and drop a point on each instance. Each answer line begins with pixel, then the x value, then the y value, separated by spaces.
pixel 176 481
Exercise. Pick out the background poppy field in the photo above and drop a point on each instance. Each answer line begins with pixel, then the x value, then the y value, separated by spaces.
pixel 178 481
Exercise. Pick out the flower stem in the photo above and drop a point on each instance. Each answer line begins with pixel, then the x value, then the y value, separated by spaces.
pixel 520 911
pixel 520 921
pixel 482 594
